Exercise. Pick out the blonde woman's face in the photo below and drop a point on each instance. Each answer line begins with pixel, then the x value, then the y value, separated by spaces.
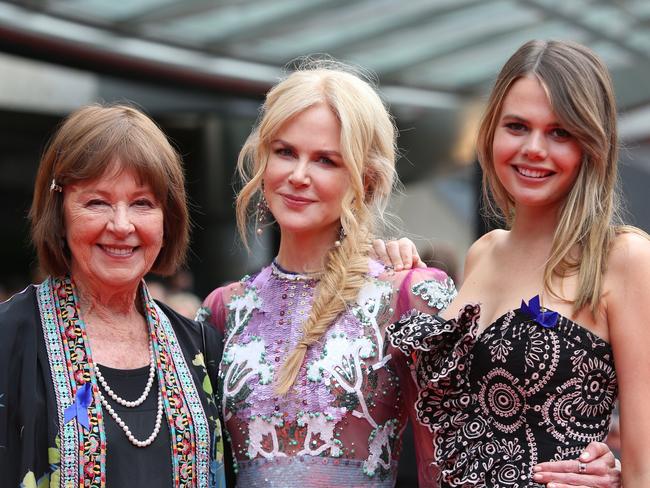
pixel 535 158
pixel 306 179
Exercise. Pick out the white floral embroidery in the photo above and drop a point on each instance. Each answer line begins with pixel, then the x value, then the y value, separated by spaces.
pixel 242 307
pixel 258 428
pixel 373 300
pixel 342 359
pixel 436 293
pixel 244 361
pixel 320 432
pixel 378 445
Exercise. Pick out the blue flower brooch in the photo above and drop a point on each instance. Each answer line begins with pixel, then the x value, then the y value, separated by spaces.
pixel 545 318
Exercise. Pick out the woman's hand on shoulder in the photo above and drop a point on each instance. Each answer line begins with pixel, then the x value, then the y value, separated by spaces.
pixel 595 468
pixel 400 254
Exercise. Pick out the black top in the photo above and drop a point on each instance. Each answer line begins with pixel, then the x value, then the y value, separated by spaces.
pixel 126 464
pixel 518 394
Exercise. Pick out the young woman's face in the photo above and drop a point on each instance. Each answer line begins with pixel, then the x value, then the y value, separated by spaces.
pixel 535 158
pixel 306 179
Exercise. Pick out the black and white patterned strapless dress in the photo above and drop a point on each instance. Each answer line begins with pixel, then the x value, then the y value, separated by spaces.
pixel 522 392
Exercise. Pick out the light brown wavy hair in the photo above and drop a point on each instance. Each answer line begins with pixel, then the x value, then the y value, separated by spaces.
pixel 99 140
pixel 580 91
pixel 368 152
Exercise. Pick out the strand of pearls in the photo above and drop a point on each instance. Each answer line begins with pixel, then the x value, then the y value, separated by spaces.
pixel 125 427
pixel 122 401
pixel 132 404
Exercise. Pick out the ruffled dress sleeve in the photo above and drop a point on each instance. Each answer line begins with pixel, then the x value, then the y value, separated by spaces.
pixel 438 353
pixel 426 292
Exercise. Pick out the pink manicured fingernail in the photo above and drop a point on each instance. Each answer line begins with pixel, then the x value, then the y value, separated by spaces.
pixel 537 469
pixel 537 477
pixel 585 456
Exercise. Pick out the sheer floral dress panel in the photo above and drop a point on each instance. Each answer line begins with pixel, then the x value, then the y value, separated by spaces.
pixel 340 424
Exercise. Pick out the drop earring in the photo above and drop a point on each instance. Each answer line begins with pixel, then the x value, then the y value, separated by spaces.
pixel 342 234
pixel 262 214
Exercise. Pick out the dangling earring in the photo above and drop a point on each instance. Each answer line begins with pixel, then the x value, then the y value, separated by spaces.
pixel 342 234
pixel 262 214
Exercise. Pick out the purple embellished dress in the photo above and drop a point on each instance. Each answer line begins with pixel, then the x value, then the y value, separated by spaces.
pixel 340 425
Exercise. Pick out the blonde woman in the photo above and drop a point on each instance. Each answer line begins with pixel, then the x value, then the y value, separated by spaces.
pixel 532 373
pixel 311 395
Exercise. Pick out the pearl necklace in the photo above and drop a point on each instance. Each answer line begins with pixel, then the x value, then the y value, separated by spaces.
pixel 122 401
pixel 132 404
pixel 125 427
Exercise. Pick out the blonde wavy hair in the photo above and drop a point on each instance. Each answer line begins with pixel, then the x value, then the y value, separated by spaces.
pixel 580 91
pixel 368 152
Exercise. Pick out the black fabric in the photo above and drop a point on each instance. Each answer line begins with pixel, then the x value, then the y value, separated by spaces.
pixel 516 394
pixel 126 464
pixel 28 423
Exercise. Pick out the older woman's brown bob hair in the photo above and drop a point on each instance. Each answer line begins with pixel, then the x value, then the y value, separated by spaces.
pixel 100 140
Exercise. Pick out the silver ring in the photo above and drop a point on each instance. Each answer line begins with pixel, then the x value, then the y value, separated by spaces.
pixel 582 467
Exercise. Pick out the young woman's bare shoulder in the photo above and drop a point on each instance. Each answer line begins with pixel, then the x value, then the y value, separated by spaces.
pixel 484 245
pixel 630 255
pixel 628 246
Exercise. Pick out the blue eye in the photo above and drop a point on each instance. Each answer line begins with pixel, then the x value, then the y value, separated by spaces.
pixel 516 126
pixel 560 133
pixel 326 160
pixel 284 152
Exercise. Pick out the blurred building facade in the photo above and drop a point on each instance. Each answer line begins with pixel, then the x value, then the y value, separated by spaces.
pixel 200 69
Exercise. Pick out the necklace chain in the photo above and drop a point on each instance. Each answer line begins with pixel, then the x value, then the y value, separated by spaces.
pixel 278 271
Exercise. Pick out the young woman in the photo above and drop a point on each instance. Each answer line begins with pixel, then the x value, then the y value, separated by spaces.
pixel 507 385
pixel 311 393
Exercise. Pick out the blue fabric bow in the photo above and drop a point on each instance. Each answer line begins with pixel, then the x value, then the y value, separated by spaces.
pixel 79 407
pixel 545 318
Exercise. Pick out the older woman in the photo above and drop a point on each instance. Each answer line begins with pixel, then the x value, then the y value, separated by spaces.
pixel 99 384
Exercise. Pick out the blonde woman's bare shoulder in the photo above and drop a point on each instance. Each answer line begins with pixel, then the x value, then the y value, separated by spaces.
pixel 626 288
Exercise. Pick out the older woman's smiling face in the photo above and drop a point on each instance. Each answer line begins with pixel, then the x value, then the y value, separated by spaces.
pixel 114 229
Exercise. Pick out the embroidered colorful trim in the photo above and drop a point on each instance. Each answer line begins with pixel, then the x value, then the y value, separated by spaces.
pixel 83 452
pixel 189 429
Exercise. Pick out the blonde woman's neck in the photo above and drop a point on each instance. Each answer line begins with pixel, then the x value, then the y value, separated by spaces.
pixel 306 252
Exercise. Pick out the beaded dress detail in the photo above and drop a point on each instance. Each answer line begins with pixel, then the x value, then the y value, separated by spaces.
pixel 340 424
pixel 522 392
